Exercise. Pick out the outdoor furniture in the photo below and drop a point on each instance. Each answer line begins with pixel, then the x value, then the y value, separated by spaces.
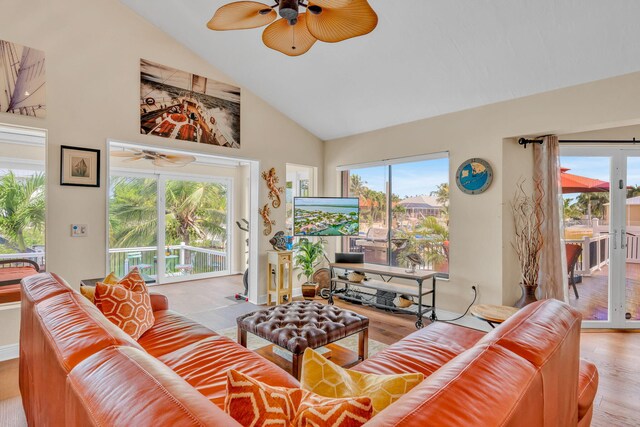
pixel 304 324
pixel 573 253
pixel 12 271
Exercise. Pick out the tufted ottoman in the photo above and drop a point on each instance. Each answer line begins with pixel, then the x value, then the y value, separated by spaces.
pixel 301 324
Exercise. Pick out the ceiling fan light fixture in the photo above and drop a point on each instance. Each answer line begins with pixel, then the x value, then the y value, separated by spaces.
pixel 289 9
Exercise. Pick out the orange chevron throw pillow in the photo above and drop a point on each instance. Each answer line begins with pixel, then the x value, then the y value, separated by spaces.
pixel 255 404
pixel 128 309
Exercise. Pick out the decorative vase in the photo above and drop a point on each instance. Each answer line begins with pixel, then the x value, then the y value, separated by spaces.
pixel 309 290
pixel 528 296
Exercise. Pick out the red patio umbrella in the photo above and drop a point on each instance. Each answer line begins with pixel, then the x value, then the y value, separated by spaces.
pixel 581 184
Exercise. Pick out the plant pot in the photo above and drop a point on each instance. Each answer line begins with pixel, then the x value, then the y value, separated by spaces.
pixel 309 290
pixel 528 296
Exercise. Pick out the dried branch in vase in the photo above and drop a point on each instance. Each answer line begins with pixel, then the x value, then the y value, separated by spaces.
pixel 528 218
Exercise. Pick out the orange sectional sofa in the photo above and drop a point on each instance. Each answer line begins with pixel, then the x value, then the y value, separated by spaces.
pixel 78 369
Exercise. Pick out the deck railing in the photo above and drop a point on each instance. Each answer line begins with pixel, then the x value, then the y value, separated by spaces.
pixel 179 260
pixel 38 257
pixel 595 253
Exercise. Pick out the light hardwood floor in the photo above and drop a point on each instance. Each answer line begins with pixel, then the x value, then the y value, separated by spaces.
pixel 616 354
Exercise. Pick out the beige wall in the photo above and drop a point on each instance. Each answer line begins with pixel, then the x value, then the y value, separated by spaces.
pixel 481 225
pixel 93 50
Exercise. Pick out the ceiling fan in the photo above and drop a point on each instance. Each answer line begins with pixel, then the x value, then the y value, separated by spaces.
pixel 155 157
pixel 302 22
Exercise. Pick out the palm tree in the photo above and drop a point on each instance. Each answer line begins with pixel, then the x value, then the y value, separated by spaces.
pixel 593 204
pixel 572 210
pixel 22 210
pixel 356 185
pixel 437 235
pixel 442 196
pixel 195 212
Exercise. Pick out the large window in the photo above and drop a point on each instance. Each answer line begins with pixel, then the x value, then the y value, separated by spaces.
pixel 300 183
pixel 22 194
pixel 404 210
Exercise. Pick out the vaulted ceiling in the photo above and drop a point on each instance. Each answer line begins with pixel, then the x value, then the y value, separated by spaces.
pixel 425 58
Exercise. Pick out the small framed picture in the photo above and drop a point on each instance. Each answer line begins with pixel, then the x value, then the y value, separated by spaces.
pixel 79 166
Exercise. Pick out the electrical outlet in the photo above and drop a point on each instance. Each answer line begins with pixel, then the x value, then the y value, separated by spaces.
pixel 79 230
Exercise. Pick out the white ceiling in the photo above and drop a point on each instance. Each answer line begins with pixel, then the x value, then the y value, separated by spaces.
pixel 425 58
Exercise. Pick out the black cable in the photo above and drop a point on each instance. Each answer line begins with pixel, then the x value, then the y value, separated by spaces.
pixel 475 296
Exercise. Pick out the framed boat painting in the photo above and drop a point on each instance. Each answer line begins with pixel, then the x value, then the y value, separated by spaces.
pixel 79 167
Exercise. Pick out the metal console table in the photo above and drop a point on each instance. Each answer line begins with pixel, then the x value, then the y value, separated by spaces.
pixel 387 273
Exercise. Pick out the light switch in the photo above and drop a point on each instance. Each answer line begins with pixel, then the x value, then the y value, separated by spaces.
pixel 79 230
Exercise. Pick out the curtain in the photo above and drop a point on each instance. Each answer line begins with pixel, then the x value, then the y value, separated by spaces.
pixel 553 264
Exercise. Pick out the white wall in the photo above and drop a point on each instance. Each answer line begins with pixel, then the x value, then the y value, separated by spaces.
pixel 481 226
pixel 93 51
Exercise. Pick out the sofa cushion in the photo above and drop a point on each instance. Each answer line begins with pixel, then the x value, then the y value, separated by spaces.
pixel 547 334
pixel 65 329
pixel 42 286
pixel 484 386
pixel 253 403
pixel 172 331
pixel 122 386
pixel 204 365
pixel 587 387
pixel 323 377
pixel 424 351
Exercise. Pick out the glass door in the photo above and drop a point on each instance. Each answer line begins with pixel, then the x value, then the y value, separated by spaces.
pixel 195 241
pixel 133 225
pixel 585 180
pixel 601 189
pixel 630 302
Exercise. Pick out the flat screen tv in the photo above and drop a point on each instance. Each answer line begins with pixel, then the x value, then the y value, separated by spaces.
pixel 326 216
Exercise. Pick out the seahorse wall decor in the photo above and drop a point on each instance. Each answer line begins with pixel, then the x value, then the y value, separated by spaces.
pixel 272 179
pixel 266 221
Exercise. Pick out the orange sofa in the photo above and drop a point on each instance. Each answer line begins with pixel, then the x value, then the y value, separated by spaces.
pixel 78 369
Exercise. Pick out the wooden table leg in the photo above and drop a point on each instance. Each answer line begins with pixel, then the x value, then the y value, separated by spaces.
pixel 296 365
pixel 242 337
pixel 363 344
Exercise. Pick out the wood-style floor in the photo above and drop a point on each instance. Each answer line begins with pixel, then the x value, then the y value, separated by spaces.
pixel 593 292
pixel 616 354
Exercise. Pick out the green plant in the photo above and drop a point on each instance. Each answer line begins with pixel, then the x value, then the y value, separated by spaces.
pixel 307 256
pixel 22 211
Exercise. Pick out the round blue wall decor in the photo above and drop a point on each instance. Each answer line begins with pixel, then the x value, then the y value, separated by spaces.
pixel 474 176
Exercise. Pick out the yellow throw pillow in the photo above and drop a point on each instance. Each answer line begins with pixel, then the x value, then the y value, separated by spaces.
pixel 253 403
pixel 111 279
pixel 325 378
pixel 89 292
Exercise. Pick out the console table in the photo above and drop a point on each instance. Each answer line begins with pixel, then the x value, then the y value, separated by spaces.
pixel 387 273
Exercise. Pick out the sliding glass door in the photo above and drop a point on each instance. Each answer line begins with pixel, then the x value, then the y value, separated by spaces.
pixel 601 188
pixel 195 228
pixel 173 228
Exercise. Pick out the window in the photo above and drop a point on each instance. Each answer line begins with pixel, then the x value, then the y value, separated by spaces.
pixel 22 194
pixel 300 183
pixel 404 210
pixel 22 207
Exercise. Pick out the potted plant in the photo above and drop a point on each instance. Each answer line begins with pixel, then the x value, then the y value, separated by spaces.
pixel 307 256
pixel 527 219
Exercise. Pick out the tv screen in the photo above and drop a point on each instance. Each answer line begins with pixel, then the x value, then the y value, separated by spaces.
pixel 326 216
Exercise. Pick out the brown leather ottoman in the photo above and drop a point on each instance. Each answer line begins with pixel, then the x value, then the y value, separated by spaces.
pixel 304 324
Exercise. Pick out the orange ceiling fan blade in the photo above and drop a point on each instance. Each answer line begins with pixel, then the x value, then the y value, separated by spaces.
pixel 335 21
pixel 292 40
pixel 241 15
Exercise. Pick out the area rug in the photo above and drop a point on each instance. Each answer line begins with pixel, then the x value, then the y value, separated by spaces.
pixel 351 343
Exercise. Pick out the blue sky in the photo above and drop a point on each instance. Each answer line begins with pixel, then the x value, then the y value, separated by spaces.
pixel 409 179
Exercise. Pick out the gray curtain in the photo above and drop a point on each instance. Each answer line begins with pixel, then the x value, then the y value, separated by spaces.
pixel 553 270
